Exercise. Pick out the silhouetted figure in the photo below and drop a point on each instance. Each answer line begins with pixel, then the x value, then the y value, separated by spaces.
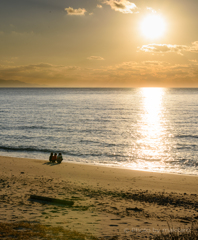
pixel 50 157
pixel 59 158
pixel 54 157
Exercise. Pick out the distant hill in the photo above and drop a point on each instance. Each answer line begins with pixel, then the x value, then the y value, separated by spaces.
pixel 14 83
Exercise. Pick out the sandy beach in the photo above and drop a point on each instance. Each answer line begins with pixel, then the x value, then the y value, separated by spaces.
pixel 106 202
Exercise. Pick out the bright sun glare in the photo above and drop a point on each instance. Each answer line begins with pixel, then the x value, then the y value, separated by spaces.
pixel 153 26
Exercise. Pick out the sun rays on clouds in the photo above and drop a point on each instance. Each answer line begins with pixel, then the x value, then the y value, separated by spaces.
pixel 99 43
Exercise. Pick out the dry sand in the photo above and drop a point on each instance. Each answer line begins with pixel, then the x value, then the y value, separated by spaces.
pixel 107 201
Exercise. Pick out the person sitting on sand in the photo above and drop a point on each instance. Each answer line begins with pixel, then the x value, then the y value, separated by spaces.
pixel 54 157
pixel 50 157
pixel 59 158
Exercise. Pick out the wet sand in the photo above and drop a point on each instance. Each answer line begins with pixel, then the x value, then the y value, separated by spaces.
pixel 106 201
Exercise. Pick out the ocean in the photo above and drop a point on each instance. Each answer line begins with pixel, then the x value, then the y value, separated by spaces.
pixel 149 129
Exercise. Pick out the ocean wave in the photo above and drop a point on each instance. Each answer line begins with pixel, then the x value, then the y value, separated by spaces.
pixel 185 146
pixel 24 149
pixel 68 153
pixel 30 127
pixel 34 149
pixel 42 150
pixel 24 127
pixel 186 136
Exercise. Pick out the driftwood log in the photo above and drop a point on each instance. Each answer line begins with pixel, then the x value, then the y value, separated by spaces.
pixel 52 200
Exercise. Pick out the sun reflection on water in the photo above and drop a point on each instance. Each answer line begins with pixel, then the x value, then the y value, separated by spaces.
pixel 150 146
pixel 152 102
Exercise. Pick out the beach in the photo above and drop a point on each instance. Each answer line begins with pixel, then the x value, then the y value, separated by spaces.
pixel 106 202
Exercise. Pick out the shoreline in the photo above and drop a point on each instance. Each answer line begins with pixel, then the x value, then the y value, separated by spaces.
pixel 106 165
pixel 107 200
pixel 125 174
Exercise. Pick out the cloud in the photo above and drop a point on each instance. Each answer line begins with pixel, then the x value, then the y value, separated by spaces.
pixel 126 74
pixel 44 74
pixel 194 47
pixel 9 60
pixel 99 6
pixel 122 6
pixel 167 48
pixel 162 48
pixel 79 11
pixel 151 9
pixel 95 58
pixel 192 60
pixel 152 74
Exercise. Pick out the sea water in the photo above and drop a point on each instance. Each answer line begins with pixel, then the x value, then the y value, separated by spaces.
pixel 151 129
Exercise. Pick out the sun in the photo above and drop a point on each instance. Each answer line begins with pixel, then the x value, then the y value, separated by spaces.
pixel 153 26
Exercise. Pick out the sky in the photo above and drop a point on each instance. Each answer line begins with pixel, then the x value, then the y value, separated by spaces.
pixel 99 43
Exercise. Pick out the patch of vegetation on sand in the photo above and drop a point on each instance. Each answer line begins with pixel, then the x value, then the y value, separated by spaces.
pixel 27 230
pixel 179 234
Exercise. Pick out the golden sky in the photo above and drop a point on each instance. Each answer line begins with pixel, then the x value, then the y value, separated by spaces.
pixel 99 43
